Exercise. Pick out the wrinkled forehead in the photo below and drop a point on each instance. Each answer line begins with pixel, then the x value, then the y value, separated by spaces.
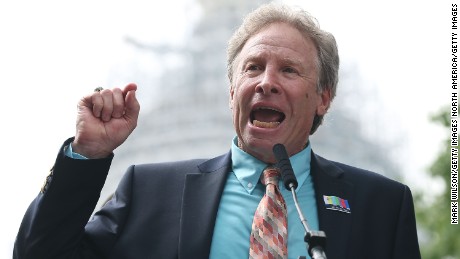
pixel 282 39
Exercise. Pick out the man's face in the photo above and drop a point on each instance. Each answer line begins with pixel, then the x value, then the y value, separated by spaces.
pixel 273 96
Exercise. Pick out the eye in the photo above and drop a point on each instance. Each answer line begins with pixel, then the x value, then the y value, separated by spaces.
pixel 289 70
pixel 252 67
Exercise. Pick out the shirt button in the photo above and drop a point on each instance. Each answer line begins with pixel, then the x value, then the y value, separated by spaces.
pixel 249 185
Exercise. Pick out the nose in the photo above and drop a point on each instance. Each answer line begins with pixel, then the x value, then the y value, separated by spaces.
pixel 268 84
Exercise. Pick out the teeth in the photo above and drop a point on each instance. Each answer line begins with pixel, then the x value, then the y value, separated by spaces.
pixel 262 124
pixel 267 108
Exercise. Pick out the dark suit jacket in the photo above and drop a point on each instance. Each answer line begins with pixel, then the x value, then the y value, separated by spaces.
pixel 168 210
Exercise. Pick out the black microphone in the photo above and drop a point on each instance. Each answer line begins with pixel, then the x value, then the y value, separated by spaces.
pixel 284 164
pixel 316 240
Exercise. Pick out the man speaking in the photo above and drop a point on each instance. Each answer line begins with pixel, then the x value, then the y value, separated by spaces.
pixel 283 74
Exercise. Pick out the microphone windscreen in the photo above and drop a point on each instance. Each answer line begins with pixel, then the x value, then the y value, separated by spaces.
pixel 284 164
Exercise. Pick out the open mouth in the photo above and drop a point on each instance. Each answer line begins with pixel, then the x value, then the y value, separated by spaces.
pixel 265 117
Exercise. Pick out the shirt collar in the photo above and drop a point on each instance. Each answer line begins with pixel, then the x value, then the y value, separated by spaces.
pixel 248 169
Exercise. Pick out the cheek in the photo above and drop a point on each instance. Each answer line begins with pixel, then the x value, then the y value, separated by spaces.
pixel 305 106
pixel 241 96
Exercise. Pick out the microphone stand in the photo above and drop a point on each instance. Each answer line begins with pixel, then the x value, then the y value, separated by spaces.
pixel 316 240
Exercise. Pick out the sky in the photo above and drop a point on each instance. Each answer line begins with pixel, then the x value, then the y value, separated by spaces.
pixel 54 52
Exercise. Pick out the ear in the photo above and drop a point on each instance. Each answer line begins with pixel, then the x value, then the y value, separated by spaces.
pixel 324 102
pixel 230 99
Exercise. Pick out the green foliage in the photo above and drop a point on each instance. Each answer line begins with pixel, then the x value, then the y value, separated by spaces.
pixel 438 238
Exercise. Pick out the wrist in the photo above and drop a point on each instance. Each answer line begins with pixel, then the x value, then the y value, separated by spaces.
pixel 87 152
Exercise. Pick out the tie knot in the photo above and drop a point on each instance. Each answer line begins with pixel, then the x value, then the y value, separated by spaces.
pixel 271 175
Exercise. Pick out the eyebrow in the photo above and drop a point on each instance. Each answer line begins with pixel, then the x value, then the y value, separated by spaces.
pixel 291 61
pixel 259 56
pixel 253 57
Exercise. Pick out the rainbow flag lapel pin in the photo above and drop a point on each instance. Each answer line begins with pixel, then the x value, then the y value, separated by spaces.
pixel 336 203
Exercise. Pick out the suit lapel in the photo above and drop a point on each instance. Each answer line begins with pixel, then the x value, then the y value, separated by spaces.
pixel 202 193
pixel 328 180
pixel 203 190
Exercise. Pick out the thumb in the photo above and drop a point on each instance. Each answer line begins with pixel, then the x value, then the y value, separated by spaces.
pixel 132 106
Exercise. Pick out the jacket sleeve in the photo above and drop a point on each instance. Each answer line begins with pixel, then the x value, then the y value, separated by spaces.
pixel 54 224
pixel 406 241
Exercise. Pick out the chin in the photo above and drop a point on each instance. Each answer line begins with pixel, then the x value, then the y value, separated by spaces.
pixel 259 148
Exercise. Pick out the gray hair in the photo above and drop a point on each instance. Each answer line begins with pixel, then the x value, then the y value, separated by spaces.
pixel 327 56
